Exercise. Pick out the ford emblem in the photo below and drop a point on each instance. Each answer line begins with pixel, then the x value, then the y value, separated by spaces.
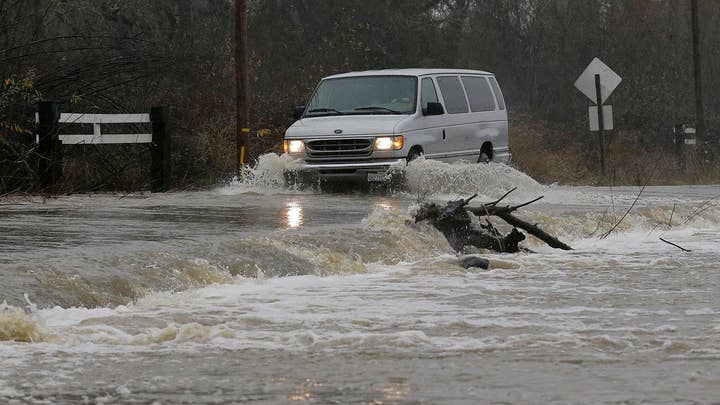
pixel 338 131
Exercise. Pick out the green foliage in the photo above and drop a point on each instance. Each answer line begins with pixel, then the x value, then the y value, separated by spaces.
pixel 17 94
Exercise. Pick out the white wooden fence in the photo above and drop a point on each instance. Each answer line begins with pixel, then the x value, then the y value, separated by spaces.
pixel 50 139
pixel 97 120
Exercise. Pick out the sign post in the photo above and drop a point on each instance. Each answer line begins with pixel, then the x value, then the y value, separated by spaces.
pixel 601 123
pixel 597 82
pixel 697 65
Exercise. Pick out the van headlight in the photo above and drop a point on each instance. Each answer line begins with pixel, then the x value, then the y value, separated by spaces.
pixel 389 142
pixel 294 146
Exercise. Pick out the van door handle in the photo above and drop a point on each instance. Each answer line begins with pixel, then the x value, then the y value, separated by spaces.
pixel 443 134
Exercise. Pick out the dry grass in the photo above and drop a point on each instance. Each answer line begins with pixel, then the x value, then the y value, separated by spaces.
pixel 550 153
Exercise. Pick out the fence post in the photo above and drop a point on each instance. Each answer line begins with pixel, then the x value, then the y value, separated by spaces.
pixel 49 144
pixel 679 142
pixel 160 151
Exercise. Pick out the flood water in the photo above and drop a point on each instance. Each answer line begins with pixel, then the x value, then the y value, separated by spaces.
pixel 255 293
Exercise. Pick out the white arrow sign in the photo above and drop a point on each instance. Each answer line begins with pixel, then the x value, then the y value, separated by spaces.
pixel 609 80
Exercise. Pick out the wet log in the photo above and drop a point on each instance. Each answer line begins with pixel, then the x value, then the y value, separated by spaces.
pixel 505 213
pixel 454 221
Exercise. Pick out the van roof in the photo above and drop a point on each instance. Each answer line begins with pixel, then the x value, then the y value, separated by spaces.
pixel 408 72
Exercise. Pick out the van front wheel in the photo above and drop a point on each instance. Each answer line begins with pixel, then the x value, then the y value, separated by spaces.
pixel 483 158
pixel 414 154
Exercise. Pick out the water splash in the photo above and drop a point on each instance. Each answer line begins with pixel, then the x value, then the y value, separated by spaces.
pixel 267 176
pixel 19 326
pixel 427 177
pixel 423 178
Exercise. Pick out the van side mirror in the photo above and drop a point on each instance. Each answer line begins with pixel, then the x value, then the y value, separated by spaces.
pixel 434 108
pixel 298 112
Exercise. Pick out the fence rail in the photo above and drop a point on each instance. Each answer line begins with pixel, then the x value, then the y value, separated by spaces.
pixel 97 137
pixel 77 118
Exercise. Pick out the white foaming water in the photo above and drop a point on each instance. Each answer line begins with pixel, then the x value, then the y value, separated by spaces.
pixel 427 177
pixel 424 178
pixel 267 176
pixel 440 181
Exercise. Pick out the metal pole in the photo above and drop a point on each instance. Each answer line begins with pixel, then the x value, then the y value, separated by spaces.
pixel 601 123
pixel 699 109
pixel 241 81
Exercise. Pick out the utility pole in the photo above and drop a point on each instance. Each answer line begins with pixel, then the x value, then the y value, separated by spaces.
pixel 241 83
pixel 699 109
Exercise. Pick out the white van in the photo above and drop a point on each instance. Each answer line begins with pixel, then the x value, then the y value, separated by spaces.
pixel 358 125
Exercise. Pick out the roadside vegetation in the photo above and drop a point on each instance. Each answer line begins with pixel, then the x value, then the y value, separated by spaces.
pixel 127 56
pixel 558 153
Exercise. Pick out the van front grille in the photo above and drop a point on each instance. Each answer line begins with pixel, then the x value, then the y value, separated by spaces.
pixel 332 148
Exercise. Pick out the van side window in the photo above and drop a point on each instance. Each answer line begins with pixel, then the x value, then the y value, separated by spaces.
pixel 453 94
pixel 498 93
pixel 428 93
pixel 479 94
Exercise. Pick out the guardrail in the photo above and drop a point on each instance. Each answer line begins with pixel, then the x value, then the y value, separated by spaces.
pixel 50 141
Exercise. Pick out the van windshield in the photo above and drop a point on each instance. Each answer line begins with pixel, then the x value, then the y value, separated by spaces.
pixel 364 95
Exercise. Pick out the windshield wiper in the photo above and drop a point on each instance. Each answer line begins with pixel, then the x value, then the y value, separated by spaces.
pixel 377 108
pixel 326 110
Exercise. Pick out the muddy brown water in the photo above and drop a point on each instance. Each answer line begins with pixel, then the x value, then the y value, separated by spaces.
pixel 253 293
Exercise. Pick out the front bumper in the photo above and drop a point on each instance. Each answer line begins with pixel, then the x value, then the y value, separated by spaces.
pixel 375 171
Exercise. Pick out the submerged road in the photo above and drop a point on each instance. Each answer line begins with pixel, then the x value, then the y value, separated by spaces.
pixel 264 295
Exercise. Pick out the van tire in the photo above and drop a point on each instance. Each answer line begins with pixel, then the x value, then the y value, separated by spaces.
pixel 486 153
pixel 414 153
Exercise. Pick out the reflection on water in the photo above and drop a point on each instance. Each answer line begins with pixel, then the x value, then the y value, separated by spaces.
pixel 396 391
pixel 386 204
pixel 292 215
pixel 306 391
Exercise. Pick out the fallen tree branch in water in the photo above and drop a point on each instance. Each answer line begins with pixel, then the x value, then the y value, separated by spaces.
pixel 699 211
pixel 532 229
pixel 454 222
pixel 671 215
pixel 606 234
pixel 677 246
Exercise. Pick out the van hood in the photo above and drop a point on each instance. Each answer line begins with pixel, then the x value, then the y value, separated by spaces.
pixel 348 124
